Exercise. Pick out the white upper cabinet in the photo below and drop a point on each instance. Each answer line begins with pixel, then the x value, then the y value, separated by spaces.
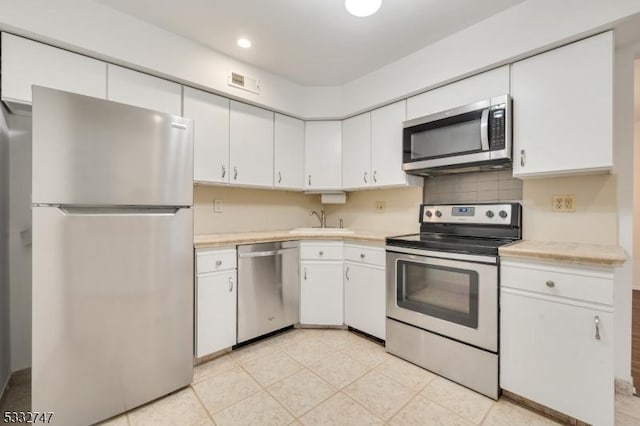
pixel 288 152
pixel 26 62
pixel 211 135
pixel 143 90
pixel 473 89
pixel 563 108
pixel 323 155
pixel 356 151
pixel 251 148
pixel 386 147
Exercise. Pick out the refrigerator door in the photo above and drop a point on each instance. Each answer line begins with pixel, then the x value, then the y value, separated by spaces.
pixel 89 151
pixel 112 309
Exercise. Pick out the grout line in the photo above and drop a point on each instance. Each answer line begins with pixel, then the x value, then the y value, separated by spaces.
pixel 202 404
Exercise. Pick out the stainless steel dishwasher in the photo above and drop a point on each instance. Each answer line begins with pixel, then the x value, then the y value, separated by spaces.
pixel 268 288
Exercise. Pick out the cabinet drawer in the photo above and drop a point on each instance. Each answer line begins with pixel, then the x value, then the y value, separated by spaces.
pixel 322 251
pixel 215 260
pixel 365 254
pixel 573 284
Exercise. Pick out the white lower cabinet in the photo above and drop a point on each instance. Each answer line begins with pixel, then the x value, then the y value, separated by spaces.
pixel 216 301
pixel 364 298
pixel 321 287
pixel 556 344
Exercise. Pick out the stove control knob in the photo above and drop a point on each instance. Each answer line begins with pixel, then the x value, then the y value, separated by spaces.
pixel 489 214
pixel 429 214
pixel 438 214
pixel 503 214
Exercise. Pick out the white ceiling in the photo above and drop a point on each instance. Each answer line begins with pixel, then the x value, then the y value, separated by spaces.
pixel 313 42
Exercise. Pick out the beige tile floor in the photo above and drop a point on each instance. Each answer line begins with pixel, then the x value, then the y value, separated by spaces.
pixel 324 377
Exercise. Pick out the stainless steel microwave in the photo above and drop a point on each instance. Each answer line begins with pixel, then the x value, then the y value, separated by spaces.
pixel 472 137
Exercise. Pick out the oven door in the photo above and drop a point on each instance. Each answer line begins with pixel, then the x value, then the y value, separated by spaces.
pixel 454 298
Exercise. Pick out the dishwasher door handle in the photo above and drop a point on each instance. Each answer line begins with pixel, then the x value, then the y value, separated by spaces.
pixel 264 253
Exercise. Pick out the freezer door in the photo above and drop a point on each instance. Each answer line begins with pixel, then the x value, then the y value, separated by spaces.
pixel 89 151
pixel 112 309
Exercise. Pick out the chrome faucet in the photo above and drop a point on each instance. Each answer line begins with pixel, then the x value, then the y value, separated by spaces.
pixel 321 217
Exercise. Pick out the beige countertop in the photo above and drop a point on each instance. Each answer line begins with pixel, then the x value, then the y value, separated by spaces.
pixel 578 253
pixel 237 238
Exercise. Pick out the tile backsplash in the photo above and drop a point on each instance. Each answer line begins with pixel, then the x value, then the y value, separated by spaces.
pixel 490 186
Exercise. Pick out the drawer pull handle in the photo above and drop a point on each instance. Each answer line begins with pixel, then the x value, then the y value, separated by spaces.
pixel 320 252
pixel 218 262
pixel 550 284
pixel 230 284
pixel 305 273
pixel 224 171
pixel 362 256
pixel 346 273
pixel 235 173
pixel 596 321
pixel 366 178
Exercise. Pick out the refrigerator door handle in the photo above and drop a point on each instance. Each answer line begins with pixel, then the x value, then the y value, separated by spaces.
pixel 118 211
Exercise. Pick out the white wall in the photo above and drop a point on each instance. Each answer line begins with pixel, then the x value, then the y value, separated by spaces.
pixel 19 255
pixel 5 336
pixel 623 169
pixel 636 178
pixel 107 34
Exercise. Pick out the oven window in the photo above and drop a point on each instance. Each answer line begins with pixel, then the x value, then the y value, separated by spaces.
pixel 450 294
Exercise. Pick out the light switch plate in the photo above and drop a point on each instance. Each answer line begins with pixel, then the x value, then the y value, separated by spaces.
pixel 217 206
pixel 380 207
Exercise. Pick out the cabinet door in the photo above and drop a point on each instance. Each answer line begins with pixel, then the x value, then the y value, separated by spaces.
pixel 563 109
pixel 288 152
pixel 473 89
pixel 386 145
pixel 215 312
pixel 550 354
pixel 211 135
pixel 143 90
pixel 26 62
pixel 321 295
pixel 364 299
pixel 323 155
pixel 356 151
pixel 251 148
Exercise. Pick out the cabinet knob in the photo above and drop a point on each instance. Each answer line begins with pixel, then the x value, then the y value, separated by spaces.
pixel 523 158
pixel 366 177
pixel 375 176
pixel 279 177
pixel 320 252
pixel 218 262
pixel 346 273
pixel 362 256
pixel 550 284
pixel 230 284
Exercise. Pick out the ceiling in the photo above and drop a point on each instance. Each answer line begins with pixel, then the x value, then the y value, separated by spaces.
pixel 313 42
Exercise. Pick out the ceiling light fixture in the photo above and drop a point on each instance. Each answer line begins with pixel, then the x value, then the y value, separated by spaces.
pixel 244 43
pixel 362 8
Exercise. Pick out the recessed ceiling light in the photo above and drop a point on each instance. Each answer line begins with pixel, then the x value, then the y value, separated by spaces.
pixel 362 8
pixel 244 43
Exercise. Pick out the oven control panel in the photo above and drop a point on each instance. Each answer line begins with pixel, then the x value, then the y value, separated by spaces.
pixel 489 214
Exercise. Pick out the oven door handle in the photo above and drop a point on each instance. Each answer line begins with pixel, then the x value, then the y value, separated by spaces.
pixel 491 260
pixel 484 130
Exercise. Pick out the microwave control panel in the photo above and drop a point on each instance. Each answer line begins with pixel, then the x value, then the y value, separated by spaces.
pixel 497 127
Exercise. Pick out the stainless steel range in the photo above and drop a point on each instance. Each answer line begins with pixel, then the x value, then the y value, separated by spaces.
pixel 442 291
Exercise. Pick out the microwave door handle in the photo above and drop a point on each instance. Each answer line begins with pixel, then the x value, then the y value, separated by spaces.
pixel 484 130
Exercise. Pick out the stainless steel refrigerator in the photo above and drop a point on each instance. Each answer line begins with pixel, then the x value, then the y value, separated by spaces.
pixel 112 256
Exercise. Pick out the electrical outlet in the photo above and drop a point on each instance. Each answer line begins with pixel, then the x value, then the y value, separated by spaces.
pixel 564 203
pixel 217 206
pixel 380 207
